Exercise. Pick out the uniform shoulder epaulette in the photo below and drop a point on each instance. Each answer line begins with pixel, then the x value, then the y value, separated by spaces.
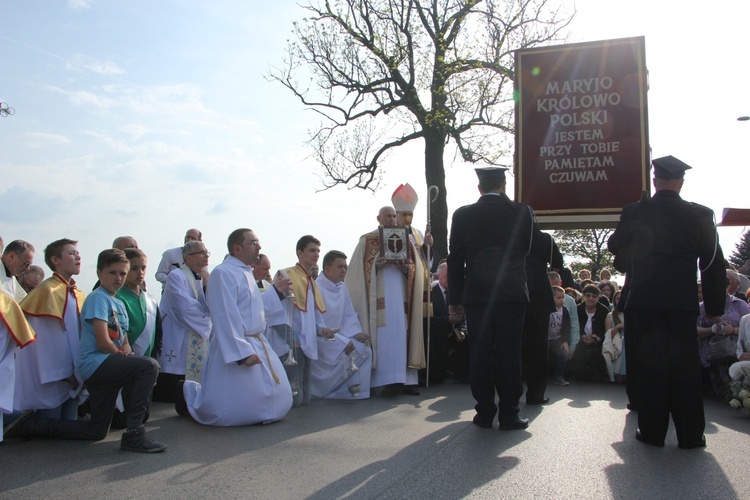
pixel 701 208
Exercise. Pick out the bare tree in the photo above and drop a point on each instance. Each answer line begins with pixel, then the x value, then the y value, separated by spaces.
pixel 383 73
pixel 588 247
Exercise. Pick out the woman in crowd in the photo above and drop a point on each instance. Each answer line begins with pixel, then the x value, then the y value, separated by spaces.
pixel 613 348
pixel 608 290
pixel 594 320
pixel 716 373
pixel 743 348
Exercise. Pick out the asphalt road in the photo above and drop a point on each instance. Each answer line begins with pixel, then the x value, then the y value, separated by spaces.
pixel 581 445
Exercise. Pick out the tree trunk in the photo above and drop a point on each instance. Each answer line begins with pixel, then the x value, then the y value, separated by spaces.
pixel 435 176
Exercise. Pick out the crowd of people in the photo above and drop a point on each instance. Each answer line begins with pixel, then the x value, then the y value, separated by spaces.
pixel 502 307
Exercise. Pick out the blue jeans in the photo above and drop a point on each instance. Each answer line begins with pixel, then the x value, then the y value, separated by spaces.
pixel 557 356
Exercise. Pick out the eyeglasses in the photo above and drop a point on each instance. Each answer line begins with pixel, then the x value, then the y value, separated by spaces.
pixel 26 263
pixel 253 243
pixel 204 253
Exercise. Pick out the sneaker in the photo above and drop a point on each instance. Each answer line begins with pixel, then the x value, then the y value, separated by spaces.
pixel 136 440
pixel 559 380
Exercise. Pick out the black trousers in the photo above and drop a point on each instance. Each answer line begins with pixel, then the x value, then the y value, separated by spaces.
pixel 668 374
pixel 167 387
pixel 631 367
pixel 135 375
pixel 439 338
pixel 535 353
pixel 496 334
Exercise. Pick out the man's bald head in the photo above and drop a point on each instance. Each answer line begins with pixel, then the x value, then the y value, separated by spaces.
pixel 387 216
pixel 123 242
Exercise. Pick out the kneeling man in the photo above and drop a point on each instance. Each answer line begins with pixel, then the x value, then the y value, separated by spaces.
pixel 243 381
pixel 342 370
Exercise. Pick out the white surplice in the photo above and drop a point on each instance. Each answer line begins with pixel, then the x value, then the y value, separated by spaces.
pixel 10 285
pixel 181 313
pixel 232 394
pixel 331 374
pixel 392 336
pixel 170 260
pixel 42 367
pixel 7 373
pixel 304 324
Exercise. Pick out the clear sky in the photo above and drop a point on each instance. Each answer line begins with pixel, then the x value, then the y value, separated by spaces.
pixel 147 118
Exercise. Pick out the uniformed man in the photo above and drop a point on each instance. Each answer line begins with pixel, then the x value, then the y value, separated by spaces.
pixel 657 237
pixel 486 276
pixel 535 350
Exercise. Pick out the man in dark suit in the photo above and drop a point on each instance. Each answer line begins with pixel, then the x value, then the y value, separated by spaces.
pixel 487 280
pixel 657 237
pixel 442 334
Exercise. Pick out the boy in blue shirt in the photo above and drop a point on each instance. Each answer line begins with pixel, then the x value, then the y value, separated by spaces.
pixel 107 364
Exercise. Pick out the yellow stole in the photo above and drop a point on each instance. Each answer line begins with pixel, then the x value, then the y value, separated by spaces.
pixel 12 316
pixel 300 281
pixel 50 298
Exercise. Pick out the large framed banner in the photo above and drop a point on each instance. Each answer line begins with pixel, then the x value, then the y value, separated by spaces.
pixel 582 149
pixel 394 243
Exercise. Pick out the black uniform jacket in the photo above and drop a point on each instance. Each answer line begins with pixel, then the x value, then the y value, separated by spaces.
pixel 658 242
pixel 487 254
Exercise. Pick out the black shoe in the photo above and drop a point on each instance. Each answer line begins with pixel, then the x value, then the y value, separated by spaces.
pixel 689 445
pixel 518 423
pixel 136 440
pixel 543 401
pixel 643 439
pixel 20 427
pixel 411 390
pixel 632 407
pixel 481 422
pixel 180 406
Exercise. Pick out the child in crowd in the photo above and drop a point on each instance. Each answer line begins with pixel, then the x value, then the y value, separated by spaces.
pixel 559 337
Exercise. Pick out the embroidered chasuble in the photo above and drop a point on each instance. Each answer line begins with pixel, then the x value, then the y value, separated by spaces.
pixel 418 241
pixel 366 287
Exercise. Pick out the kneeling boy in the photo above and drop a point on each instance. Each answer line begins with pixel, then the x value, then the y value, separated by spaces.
pixel 107 364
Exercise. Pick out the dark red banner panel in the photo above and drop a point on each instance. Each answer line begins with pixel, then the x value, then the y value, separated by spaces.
pixel 581 131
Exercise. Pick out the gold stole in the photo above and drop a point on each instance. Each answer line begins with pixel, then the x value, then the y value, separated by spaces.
pixel 12 315
pixel 300 286
pixel 50 298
